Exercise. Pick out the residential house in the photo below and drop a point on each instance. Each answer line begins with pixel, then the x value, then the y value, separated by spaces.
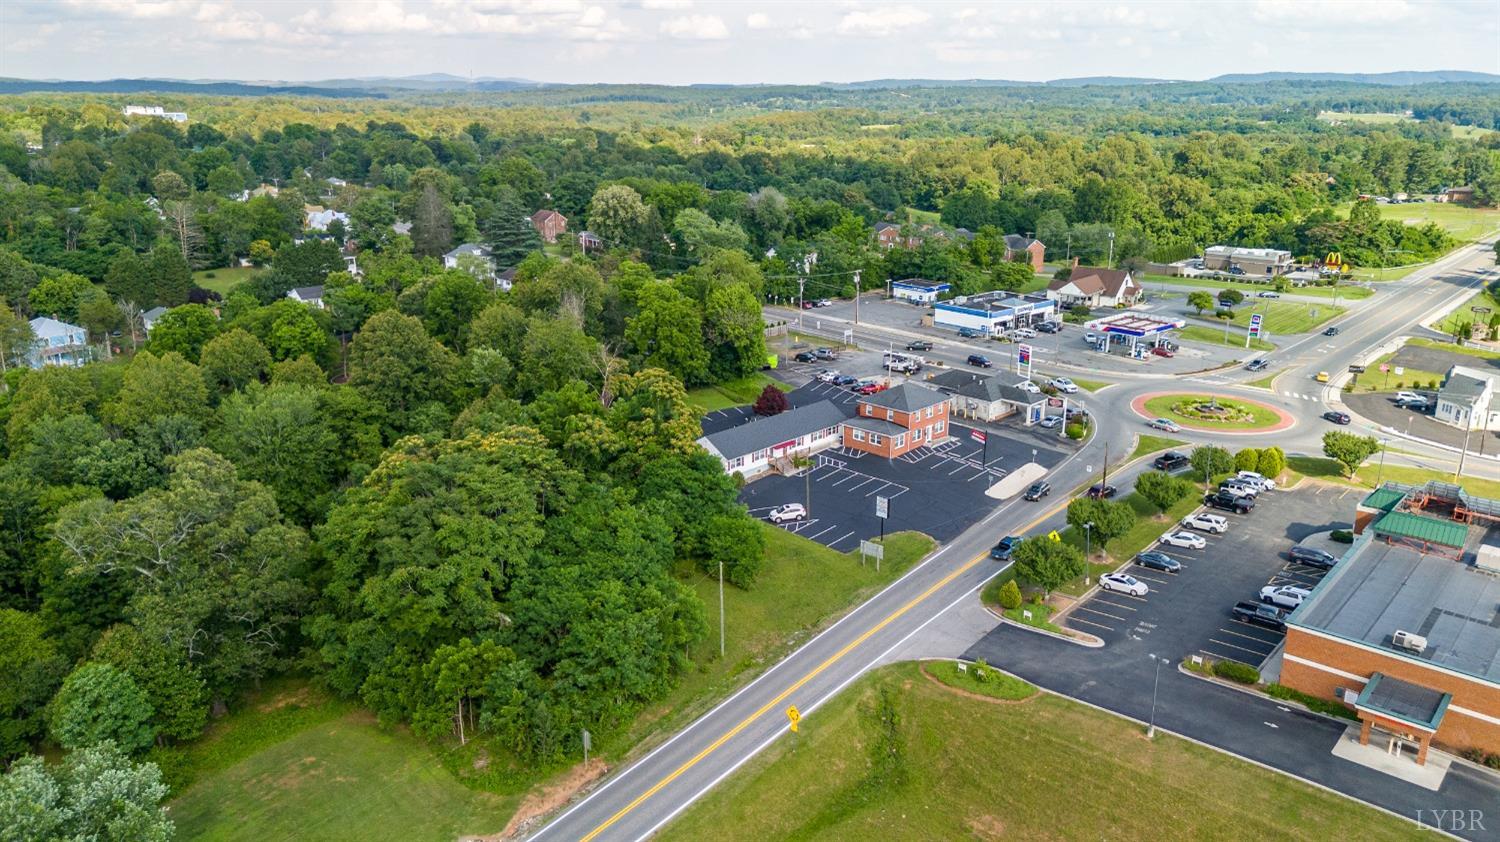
pixel 1457 195
pixel 989 397
pixel 1465 400
pixel 312 296
pixel 155 111
pixel 588 241
pixel 506 278
pixel 1092 286
pixel 57 343
pixel 756 447
pixel 319 218
pixel 474 258
pixel 897 420
pixel 549 224
pixel 1016 245
pixel 888 235
pixel 148 318
pixel 403 228
pixel 263 190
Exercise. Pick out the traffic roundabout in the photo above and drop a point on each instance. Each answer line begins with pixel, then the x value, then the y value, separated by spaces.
pixel 1212 413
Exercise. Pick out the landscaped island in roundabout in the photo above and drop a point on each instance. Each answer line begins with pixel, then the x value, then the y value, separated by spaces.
pixel 1212 413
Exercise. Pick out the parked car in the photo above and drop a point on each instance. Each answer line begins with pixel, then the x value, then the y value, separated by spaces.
pixel 1235 270
pixel 1258 364
pixel 845 380
pixel 1051 422
pixel 825 353
pixel 824 302
pixel 1077 412
pixel 969 333
pixel 1336 417
pixel 1028 386
pixel 1254 477
pixel 1419 403
pixel 1284 596
pixel 1023 333
pixel 1187 540
pixel 1333 331
pixel 871 387
pixel 806 357
pixel 1206 522
pixel 1267 294
pixel 1165 424
pixel 1161 351
pixel 919 345
pixel 789 512
pixel 1158 561
pixel 1002 550
pixel 1037 491
pixel 827 375
pixel 1171 461
pixel 1099 491
pixel 1090 337
pixel 1312 557
pixel 1239 489
pixel 980 360
pixel 1260 614
pixel 1229 502
pixel 1064 385
pixel 1048 327
pixel 807 305
pixel 1123 582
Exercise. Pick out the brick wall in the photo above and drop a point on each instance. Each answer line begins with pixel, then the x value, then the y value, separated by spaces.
pixel 1457 730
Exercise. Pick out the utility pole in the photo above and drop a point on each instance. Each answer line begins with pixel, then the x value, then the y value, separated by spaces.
pixel 721 610
pixel 1155 683
pixel 1462 456
pixel 856 296
pixel 1111 263
pixel 801 299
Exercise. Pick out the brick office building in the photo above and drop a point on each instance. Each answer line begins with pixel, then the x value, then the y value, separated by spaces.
pixel 897 420
pixel 1406 628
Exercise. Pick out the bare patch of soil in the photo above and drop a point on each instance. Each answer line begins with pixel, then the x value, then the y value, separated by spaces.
pixel 541 802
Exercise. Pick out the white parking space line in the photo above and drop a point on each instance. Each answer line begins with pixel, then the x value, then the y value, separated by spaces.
pixel 852 475
pixel 1100 613
pixel 956 470
pixel 1072 619
pixel 1248 637
pixel 863 484
pixel 1220 655
pixel 1097 600
pixel 827 529
pixel 841 538
pixel 1150 578
pixel 1241 648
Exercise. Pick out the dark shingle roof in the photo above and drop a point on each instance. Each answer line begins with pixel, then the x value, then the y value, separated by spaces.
pixel 992 388
pixel 764 432
pixel 1016 242
pixel 309 293
pixel 907 397
pixel 1463 384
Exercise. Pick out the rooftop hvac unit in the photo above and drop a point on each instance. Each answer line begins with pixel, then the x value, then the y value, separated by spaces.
pixel 1487 558
pixel 1414 643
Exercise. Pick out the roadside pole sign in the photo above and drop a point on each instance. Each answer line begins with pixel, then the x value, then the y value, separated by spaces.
pixel 977 435
pixel 1400 371
pixel 1023 360
pixel 1253 330
pixel 1384 367
pixel 1054 537
pixel 872 549
pixel 793 716
pixel 883 507
pixel 588 743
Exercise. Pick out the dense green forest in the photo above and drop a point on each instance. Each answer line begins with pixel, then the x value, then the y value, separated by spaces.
pixel 468 507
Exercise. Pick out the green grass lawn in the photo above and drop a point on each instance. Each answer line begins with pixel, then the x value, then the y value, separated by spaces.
pixel 224 280
pixel 1464 315
pixel 921 217
pixel 1089 385
pixel 1260 416
pixel 1249 288
pixel 1047 768
pixel 1148 443
pixel 1265 382
pixel 1038 619
pixel 995 684
pixel 1374 380
pixel 328 772
pixel 1466 350
pixel 1466 224
pixel 1318 467
pixel 1386 118
pixel 1215 336
pixel 733 393
pixel 1283 317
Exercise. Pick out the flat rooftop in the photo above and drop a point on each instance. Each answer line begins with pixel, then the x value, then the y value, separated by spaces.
pixel 1379 588
pixel 996 301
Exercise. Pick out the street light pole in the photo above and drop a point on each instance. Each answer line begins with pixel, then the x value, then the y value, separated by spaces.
pixel 1155 683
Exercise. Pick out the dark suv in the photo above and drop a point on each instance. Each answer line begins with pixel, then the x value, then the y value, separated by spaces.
pixel 1002 550
pixel 1100 491
pixel 980 360
pixel 1170 462
pixel 1260 614
pixel 1038 490
pixel 1312 557
pixel 919 345
pixel 1229 502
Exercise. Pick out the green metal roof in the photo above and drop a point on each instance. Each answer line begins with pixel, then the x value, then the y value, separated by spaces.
pixel 1387 696
pixel 1444 533
pixel 1385 497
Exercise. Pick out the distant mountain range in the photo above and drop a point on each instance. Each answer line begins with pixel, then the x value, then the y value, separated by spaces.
pixel 383 86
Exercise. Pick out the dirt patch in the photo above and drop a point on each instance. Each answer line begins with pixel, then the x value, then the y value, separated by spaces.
pixel 540 802
pixel 302 696
pixel 986 827
pixel 971 695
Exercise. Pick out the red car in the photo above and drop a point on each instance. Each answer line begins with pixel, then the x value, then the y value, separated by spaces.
pixel 807 305
pixel 1161 351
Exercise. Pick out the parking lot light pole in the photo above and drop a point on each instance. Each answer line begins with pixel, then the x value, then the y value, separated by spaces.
pixel 1088 550
pixel 1156 682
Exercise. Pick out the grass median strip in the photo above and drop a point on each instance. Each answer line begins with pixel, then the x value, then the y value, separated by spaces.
pixel 1234 337
pixel 980 678
pixel 897 757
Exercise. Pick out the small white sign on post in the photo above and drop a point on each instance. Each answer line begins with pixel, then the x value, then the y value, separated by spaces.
pixel 871 549
pixel 882 507
pixel 1026 613
pixel 1197 660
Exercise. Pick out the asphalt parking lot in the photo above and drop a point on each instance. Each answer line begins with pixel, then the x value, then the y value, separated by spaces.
pixel 937 490
pixel 1189 612
pixel 1380 407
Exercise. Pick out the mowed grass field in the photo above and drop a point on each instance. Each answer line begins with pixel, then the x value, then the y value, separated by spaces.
pixel 1216 336
pixel 1387 119
pixel 1045 768
pixel 1283 317
pixel 733 393
pixel 224 280
pixel 1464 223
pixel 1250 289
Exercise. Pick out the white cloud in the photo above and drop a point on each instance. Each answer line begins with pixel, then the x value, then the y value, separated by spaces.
pixel 758 20
pixel 667 5
pixel 137 9
pixel 883 21
pixel 696 28
pixel 1341 12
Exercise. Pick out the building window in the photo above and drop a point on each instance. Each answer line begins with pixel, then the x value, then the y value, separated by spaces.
pixel 869 410
pixel 901 441
pixel 929 412
pixel 938 426
pixel 890 415
pixel 874 438
pixel 859 435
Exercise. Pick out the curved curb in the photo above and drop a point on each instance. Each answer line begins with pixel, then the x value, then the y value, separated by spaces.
pixel 970 694
pixel 1286 420
pixel 1091 643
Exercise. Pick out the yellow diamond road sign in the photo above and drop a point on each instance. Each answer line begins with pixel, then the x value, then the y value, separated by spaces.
pixel 1054 536
pixel 793 715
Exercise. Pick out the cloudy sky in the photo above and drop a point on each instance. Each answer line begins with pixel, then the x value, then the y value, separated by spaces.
pixel 688 41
